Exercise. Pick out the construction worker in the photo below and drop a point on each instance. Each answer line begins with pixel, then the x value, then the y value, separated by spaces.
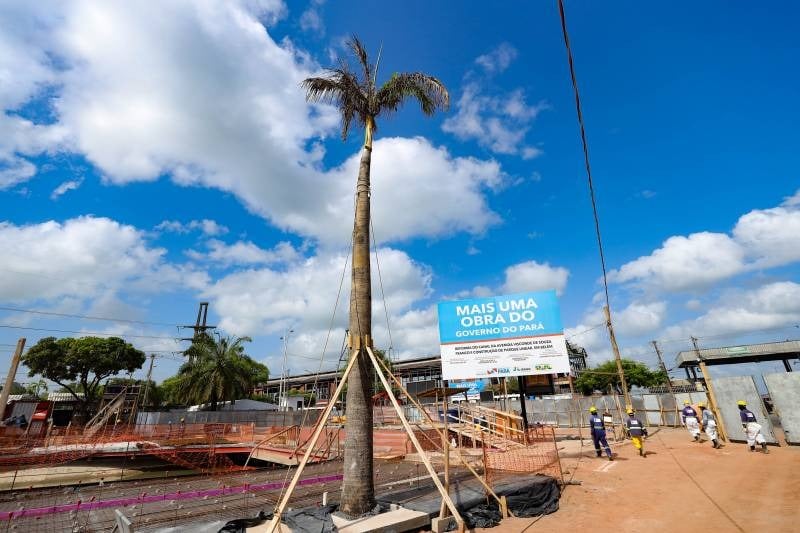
pixel 636 430
pixel 709 424
pixel 598 429
pixel 752 429
pixel 689 420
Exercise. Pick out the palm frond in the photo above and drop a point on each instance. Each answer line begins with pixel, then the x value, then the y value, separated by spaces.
pixel 341 88
pixel 363 59
pixel 427 90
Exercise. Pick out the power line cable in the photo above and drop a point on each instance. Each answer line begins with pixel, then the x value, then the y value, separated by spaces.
pixel 87 317
pixel 585 149
pixel 9 326
pixel 383 294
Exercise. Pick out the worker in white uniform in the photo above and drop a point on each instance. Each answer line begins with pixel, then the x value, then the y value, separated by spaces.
pixel 752 428
pixel 709 424
pixel 689 419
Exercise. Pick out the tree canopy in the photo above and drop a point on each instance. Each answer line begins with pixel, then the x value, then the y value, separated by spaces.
pixel 79 365
pixel 603 376
pixel 218 370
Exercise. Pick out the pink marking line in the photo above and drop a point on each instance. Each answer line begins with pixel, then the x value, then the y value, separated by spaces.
pixel 150 498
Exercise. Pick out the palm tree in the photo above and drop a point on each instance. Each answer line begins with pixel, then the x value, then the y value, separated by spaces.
pixel 359 98
pixel 217 371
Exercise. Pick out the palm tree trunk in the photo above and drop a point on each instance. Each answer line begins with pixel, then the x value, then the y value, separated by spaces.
pixel 358 490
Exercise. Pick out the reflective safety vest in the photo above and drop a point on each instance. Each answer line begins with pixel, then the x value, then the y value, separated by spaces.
pixel 596 423
pixel 635 427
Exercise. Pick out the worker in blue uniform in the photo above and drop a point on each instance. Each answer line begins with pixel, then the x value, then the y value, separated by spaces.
pixel 636 430
pixel 751 427
pixel 689 420
pixel 598 429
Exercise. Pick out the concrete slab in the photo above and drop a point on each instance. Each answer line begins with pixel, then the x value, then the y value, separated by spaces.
pixel 729 390
pixel 784 390
pixel 396 521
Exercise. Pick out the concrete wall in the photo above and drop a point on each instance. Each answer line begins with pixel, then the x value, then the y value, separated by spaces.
pixel 728 391
pixel 784 390
pixel 653 409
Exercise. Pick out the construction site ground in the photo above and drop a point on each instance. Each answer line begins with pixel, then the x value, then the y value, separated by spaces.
pixel 680 486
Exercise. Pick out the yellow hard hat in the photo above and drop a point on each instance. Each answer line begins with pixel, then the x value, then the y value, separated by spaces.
pixel 701 404
pixel 686 402
pixel 593 409
pixel 629 411
pixel 741 402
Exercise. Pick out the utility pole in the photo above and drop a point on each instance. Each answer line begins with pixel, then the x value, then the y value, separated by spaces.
pixel 200 326
pixel 12 373
pixel 617 357
pixel 712 401
pixel 282 387
pixel 669 381
pixel 663 367
pixel 147 380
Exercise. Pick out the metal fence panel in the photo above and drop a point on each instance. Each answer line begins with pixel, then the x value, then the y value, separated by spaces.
pixel 653 409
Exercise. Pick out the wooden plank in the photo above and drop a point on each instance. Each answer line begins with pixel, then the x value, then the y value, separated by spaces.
pixel 276 520
pixel 415 442
pixel 425 412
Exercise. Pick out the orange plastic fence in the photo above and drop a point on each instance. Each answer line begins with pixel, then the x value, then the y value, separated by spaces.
pixel 538 456
pixel 189 445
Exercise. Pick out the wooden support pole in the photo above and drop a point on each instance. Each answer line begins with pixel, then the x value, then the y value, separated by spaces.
pixel 417 445
pixel 446 449
pixel 669 381
pixel 12 373
pixel 426 415
pixel 712 401
pixel 617 357
pixel 276 519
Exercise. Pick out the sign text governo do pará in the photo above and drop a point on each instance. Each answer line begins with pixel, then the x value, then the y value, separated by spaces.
pixel 502 336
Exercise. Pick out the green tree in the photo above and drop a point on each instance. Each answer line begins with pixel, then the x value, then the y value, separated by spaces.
pixel 79 365
pixel 359 98
pixel 36 388
pixel 16 388
pixel 169 391
pixel 217 371
pixel 605 376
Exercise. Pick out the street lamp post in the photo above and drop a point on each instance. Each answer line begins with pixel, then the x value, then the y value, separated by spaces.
pixel 282 387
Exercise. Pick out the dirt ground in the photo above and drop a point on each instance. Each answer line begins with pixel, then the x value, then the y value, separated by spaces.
pixel 680 486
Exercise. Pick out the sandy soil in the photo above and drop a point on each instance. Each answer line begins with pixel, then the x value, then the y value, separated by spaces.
pixel 680 486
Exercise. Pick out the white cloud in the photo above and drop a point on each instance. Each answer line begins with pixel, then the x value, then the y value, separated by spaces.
pixel 246 253
pixel 417 189
pixel 201 92
pixel 533 276
pixel 25 70
pixel 268 300
pixel 635 320
pixel 738 312
pixel 311 19
pixel 15 170
pixel 792 201
pixel 771 236
pixel 684 263
pixel 83 258
pixel 762 238
pixel 498 59
pixel 206 226
pixel 498 123
pixel 65 187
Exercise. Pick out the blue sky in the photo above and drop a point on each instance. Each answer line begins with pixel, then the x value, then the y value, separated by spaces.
pixel 154 158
